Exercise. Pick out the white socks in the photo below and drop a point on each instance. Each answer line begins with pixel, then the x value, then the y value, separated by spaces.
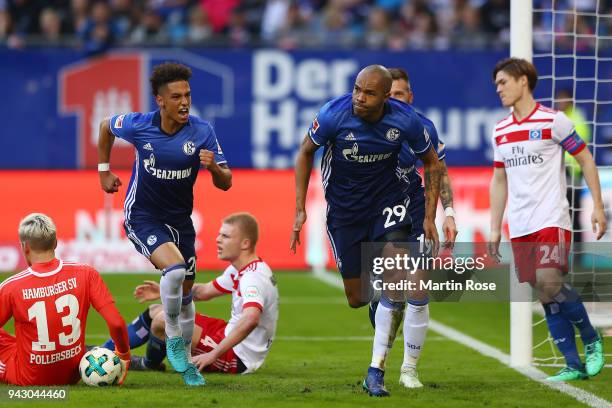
pixel 171 291
pixel 416 322
pixel 186 321
pixel 388 318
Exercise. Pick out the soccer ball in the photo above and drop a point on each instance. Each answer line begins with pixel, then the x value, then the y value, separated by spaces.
pixel 100 367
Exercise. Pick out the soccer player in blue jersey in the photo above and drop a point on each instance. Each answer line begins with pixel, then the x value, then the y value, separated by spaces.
pixel 362 134
pixel 416 318
pixel 171 146
pixel 401 89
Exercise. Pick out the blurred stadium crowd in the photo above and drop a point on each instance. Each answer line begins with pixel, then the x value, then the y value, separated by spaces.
pixel 96 25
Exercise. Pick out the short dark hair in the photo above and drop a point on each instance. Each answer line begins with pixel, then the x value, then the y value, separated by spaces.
pixel 399 73
pixel 166 73
pixel 516 68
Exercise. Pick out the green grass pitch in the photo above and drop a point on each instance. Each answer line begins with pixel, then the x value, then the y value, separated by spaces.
pixel 321 354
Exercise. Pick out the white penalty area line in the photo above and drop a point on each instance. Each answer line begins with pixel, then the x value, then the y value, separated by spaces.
pixel 486 350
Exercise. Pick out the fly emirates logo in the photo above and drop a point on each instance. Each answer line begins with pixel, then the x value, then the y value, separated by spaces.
pixel 519 158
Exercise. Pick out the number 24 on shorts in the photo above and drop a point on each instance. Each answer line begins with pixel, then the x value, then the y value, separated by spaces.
pixel 550 254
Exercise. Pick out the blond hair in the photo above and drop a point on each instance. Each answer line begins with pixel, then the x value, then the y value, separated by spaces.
pixel 247 225
pixel 38 231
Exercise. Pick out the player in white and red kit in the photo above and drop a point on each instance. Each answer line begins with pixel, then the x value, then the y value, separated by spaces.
pixel 49 302
pixel 529 171
pixel 241 344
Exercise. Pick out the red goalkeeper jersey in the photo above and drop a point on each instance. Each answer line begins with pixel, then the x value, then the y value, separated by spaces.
pixel 49 303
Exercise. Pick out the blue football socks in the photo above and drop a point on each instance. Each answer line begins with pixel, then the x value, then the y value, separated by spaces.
pixel 562 333
pixel 138 331
pixel 573 310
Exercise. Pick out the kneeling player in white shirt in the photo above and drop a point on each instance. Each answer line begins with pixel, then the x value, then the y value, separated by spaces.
pixel 239 345
pixel 528 157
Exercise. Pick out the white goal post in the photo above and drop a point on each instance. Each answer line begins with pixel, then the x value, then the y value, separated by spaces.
pixel 521 337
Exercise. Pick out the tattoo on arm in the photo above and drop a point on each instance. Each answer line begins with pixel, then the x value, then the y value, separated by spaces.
pixel 432 189
pixel 446 193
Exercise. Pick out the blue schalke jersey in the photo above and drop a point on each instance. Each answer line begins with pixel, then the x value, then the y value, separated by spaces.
pixel 407 170
pixel 360 158
pixel 166 166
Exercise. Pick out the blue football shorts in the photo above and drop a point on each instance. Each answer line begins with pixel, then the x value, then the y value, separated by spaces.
pixel 393 224
pixel 147 234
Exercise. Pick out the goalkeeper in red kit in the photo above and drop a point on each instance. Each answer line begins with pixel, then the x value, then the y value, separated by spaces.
pixel 49 302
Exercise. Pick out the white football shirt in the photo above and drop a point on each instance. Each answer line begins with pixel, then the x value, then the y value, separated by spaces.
pixel 531 151
pixel 252 286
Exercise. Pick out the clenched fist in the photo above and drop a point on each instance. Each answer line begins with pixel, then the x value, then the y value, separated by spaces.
pixel 207 158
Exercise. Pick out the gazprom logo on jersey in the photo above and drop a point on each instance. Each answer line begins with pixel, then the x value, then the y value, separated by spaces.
pixel 352 154
pixel 93 90
pixel 535 135
pixel 149 166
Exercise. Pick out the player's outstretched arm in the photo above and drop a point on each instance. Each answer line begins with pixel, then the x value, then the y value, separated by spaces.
pixel 119 334
pixel 221 173
pixel 109 181
pixel 205 291
pixel 303 168
pixel 432 172
pixel 498 193
pixel 249 319
pixel 149 291
pixel 102 300
pixel 591 176
pixel 446 198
